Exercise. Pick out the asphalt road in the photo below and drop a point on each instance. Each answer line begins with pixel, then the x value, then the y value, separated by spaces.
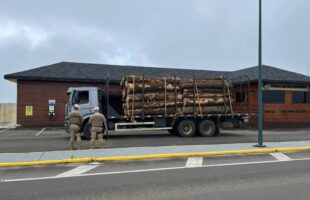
pixel 239 178
pixel 32 140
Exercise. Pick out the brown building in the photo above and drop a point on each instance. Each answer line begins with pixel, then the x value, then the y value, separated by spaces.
pixel 286 94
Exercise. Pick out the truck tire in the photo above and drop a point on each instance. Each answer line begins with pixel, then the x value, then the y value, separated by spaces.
pixel 217 129
pixel 186 128
pixel 206 128
pixel 86 131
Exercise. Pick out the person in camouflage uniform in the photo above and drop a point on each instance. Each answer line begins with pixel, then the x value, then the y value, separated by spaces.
pixel 76 121
pixel 97 121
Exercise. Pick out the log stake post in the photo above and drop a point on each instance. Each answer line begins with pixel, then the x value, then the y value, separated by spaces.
pixel 198 98
pixel 194 95
pixel 133 99
pixel 107 92
pixel 224 91
pixel 143 85
pixel 175 93
pixel 165 97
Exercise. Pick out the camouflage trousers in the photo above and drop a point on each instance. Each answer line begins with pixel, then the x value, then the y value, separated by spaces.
pixel 96 132
pixel 74 133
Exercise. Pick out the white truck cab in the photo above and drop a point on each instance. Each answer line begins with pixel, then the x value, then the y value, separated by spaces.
pixel 86 98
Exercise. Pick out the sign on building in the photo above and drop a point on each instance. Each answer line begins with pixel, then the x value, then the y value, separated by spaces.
pixel 29 110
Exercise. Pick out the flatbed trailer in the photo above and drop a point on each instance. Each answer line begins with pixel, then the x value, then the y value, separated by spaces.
pixel 184 125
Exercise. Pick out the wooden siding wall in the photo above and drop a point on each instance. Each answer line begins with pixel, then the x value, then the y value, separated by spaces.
pixel 37 94
pixel 275 115
pixel 288 112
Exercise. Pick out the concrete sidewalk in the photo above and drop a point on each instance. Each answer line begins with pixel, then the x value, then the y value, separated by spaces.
pixel 133 153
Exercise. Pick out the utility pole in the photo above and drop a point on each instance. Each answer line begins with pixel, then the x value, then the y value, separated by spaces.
pixel 260 82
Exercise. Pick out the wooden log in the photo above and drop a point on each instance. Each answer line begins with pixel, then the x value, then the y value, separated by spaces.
pixel 203 101
pixel 153 96
pixel 150 81
pixel 154 104
pixel 149 85
pixel 204 95
pixel 208 92
pixel 154 84
pixel 149 88
pixel 138 79
pixel 203 90
pixel 124 93
pixel 152 111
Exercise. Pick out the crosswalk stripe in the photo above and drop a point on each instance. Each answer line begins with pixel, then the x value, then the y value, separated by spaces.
pixel 194 161
pixel 280 156
pixel 77 171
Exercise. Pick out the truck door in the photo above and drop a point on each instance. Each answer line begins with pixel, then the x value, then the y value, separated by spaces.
pixel 82 99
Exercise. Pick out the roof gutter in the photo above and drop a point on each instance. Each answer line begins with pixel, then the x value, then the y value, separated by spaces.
pixel 29 78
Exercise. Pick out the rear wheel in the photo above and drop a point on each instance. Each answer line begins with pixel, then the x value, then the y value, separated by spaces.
pixel 186 128
pixel 206 128
pixel 217 128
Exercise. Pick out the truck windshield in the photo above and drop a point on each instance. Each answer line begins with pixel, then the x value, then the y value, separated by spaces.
pixel 80 97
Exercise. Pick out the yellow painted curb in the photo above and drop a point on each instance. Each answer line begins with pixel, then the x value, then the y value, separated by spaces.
pixel 153 156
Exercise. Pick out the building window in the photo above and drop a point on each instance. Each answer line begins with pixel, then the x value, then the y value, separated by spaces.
pixel 80 97
pixel 273 97
pixel 301 97
pixel 240 97
pixel 285 86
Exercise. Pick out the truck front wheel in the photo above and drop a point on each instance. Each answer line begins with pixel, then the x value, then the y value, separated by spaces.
pixel 186 128
pixel 86 131
pixel 206 128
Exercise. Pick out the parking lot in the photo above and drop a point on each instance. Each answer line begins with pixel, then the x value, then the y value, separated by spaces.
pixel 53 139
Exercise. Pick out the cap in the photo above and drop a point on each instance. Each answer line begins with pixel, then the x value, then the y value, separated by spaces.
pixel 96 109
pixel 76 106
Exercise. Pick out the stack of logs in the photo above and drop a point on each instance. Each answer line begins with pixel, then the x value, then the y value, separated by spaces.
pixel 173 96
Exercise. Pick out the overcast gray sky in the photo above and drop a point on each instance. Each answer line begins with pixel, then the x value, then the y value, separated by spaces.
pixel 200 34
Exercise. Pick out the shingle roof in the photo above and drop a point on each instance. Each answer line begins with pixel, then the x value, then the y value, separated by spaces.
pixel 271 74
pixel 85 72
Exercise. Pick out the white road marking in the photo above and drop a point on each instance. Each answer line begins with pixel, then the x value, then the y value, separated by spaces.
pixel 43 129
pixel 280 156
pixel 150 170
pixel 4 130
pixel 194 161
pixel 95 163
pixel 77 171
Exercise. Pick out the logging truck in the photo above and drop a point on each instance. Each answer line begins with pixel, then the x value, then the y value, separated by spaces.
pixel 184 107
